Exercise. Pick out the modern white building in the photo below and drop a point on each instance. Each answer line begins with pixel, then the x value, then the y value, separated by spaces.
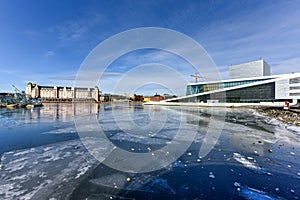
pixel 251 85
pixel 251 69
pixel 56 93
pixel 277 88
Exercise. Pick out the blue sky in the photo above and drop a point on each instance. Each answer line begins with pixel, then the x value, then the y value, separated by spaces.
pixel 46 41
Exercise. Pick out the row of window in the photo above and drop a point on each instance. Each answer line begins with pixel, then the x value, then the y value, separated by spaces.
pixel 253 94
pixel 295 88
pixel 195 89
pixel 69 94
pixel 295 80
pixel 294 94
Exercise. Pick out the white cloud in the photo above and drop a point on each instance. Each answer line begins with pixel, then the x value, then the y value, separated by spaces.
pixel 49 54
pixel 76 30
pixel 270 32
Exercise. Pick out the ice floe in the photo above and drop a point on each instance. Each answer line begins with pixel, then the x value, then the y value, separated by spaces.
pixel 253 194
pixel 129 138
pixel 44 172
pixel 211 175
pixel 67 130
pixel 248 163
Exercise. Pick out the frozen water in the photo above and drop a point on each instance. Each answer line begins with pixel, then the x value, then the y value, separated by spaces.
pixel 211 175
pixel 236 184
pixel 67 130
pixel 115 180
pixel 248 164
pixel 178 164
pixel 254 194
pixel 144 183
pixel 240 156
pixel 160 185
pixel 128 138
pixel 43 172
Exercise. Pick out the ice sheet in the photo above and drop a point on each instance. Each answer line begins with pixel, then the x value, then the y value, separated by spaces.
pixel 248 163
pixel 44 172
pixel 254 194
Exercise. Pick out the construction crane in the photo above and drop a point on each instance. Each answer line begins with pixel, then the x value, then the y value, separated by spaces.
pixel 20 96
pixel 16 89
pixel 197 76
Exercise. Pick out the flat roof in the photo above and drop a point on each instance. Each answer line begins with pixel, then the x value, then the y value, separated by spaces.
pixel 245 79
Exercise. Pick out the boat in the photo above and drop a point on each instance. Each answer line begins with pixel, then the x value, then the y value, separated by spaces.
pixel 32 103
pixel 13 105
pixel 29 106
pixel 19 100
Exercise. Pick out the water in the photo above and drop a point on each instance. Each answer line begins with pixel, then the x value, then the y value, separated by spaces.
pixel 42 156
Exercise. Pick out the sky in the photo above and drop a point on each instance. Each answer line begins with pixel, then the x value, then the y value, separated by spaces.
pixel 47 41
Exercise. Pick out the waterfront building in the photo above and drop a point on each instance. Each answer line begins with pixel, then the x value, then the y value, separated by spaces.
pixel 105 98
pixel 146 99
pixel 139 98
pixel 259 89
pixel 57 93
pixel 157 97
pixel 250 69
pixel 169 96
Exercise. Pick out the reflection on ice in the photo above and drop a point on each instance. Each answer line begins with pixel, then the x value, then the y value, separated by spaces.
pixel 50 112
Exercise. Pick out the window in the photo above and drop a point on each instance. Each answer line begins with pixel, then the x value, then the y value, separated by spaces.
pixel 295 88
pixel 294 94
pixel 294 80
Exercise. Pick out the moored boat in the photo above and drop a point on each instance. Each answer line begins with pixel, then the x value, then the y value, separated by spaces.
pixel 29 106
pixel 14 105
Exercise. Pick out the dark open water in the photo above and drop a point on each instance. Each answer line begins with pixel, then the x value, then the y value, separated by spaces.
pixel 42 157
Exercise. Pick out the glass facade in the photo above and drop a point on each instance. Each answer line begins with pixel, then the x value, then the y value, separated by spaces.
pixel 253 94
pixel 200 88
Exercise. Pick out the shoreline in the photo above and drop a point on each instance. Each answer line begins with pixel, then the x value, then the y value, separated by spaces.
pixel 291 116
pixel 87 102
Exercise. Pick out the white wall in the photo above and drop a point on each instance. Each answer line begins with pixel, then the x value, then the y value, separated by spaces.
pixel 285 89
pixel 252 69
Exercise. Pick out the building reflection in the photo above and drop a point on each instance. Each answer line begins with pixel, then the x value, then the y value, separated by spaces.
pixel 67 111
pixel 196 120
pixel 52 112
